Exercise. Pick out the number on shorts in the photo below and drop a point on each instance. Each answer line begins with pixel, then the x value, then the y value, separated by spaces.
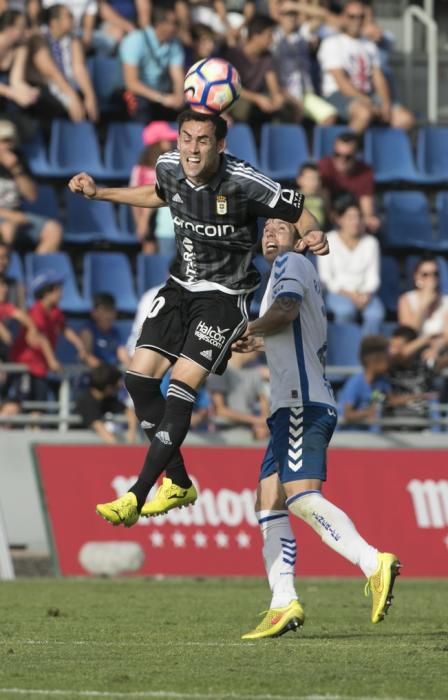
pixel 157 305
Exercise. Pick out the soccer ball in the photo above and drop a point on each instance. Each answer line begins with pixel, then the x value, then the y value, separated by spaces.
pixel 212 85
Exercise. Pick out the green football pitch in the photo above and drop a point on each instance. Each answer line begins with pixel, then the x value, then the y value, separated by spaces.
pixel 177 639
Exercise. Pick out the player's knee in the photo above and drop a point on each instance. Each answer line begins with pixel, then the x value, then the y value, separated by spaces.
pixel 143 392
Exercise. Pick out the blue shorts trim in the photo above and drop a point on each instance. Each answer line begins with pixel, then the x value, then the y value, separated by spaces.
pixel 300 436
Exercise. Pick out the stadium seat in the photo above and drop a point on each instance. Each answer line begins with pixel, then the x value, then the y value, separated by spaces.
pixel 408 222
pixel 14 271
pixel 72 301
pixel 93 220
pixel 110 272
pixel 46 203
pixel 123 147
pixel 152 270
pixel 107 78
pixel 390 282
pixel 283 149
pixel 74 148
pixel 344 340
pixel 241 143
pixel 389 153
pixel 324 138
pixel 442 211
pixel 65 351
pixel 410 264
pixel 124 326
pixel 432 153
pixel 36 155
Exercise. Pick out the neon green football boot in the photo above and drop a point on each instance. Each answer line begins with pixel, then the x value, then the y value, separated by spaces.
pixel 277 621
pixel 381 583
pixel 169 496
pixel 122 511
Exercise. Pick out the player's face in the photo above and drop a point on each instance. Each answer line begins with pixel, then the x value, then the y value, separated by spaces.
pixel 278 237
pixel 199 151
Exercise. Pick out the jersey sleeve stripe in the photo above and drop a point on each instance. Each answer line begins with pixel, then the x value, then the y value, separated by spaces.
pixel 254 175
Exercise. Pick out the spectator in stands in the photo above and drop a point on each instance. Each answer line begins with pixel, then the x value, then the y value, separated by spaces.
pixel 54 62
pixel 239 396
pixel 425 308
pixel 351 274
pixel 363 395
pixel 292 61
pixel 343 172
pixel 100 399
pixel 33 15
pixel 50 323
pixel 409 375
pixel 154 228
pixel 204 43
pixel 12 35
pixel 101 337
pixel 224 17
pixel 16 288
pixel 385 42
pixel 9 312
pixel 261 96
pixel 309 183
pixel 153 61
pixel 353 80
pixel 15 184
pixel 119 18
pixel 84 13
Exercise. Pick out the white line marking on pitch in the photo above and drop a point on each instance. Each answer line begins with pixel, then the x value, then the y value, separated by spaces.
pixel 165 694
pixel 85 642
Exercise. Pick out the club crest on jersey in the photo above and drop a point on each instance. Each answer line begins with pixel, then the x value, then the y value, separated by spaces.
pixel 221 204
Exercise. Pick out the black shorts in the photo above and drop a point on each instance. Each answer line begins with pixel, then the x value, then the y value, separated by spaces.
pixel 200 326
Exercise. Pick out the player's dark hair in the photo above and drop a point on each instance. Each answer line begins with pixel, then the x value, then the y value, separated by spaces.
pixel 259 24
pixel 218 122
pixel 308 165
pixel 348 137
pixel 344 202
pixel 406 332
pixel 104 376
pixel 105 300
pixel 372 345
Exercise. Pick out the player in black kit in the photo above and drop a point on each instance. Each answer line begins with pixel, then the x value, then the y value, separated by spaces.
pixel 215 200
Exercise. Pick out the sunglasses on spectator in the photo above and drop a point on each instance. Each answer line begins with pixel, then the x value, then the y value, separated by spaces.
pixel 433 273
pixel 357 17
pixel 344 156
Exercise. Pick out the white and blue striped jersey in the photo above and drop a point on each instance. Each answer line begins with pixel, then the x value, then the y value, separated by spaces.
pixel 296 355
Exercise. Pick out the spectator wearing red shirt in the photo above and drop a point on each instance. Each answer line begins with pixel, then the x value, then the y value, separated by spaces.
pixel 50 322
pixel 11 311
pixel 343 172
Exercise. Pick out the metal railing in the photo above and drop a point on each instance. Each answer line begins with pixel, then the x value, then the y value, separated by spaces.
pixel 416 12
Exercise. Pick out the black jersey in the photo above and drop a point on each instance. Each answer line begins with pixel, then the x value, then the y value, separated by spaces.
pixel 216 223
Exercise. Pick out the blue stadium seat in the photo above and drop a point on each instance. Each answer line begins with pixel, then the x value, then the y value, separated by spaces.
pixel 107 78
pixel 408 222
pixel 36 155
pixel 344 340
pixel 74 148
pixel 389 153
pixel 324 138
pixel 442 210
pixel 152 270
pixel 283 149
pixel 123 147
pixel 390 282
pixel 432 153
pixel 72 301
pixel 65 351
pixel 46 203
pixel 241 143
pixel 110 272
pixel 14 271
pixel 124 326
pixel 411 262
pixel 93 220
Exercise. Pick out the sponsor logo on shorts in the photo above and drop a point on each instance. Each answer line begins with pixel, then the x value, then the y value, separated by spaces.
pixel 212 336
pixel 207 354
pixel 164 437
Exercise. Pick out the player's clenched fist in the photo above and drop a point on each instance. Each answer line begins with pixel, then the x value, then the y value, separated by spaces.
pixel 83 183
pixel 317 242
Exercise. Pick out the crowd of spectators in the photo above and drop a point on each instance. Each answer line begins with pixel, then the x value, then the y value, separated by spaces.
pixel 308 62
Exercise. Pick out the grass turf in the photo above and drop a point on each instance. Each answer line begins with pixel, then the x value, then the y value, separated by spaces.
pixel 181 638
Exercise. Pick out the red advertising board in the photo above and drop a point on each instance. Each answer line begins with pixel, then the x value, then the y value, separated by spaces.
pixel 398 500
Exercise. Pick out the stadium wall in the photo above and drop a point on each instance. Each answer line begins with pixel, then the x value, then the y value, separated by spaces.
pixel 397 494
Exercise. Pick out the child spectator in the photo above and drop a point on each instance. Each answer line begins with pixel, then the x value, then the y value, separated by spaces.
pixel 309 183
pixel 9 311
pixel 16 288
pixel 101 337
pixel 154 228
pixel 101 398
pixel 50 322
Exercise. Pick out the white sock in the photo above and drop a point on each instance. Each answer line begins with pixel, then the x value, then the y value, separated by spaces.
pixel 279 553
pixel 335 528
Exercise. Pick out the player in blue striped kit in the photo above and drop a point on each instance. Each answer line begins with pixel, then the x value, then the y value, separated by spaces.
pixel 302 419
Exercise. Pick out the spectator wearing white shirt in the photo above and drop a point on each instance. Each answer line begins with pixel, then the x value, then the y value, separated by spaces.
pixel 352 78
pixel 351 273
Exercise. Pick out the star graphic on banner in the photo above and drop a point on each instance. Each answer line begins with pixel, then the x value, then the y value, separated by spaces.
pixel 243 540
pixel 221 539
pixel 200 539
pixel 178 539
pixel 156 539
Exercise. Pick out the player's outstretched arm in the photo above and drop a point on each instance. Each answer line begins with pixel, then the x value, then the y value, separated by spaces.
pixel 145 196
pixel 282 311
pixel 311 233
